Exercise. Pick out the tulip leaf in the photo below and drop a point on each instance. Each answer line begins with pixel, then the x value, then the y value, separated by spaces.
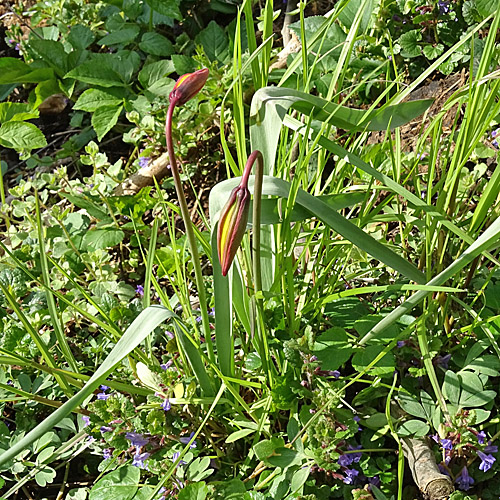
pixel 271 104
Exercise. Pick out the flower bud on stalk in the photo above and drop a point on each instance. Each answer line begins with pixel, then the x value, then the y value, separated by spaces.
pixel 232 225
pixel 187 86
pixel 234 216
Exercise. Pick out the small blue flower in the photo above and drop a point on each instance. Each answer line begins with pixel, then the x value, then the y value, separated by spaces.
pixel 447 444
pixel 167 365
pixel 481 436
pixel 351 475
pixel 103 396
pixel 166 405
pixel 107 453
pixel 86 420
pixel 106 428
pixel 175 456
pixel 491 448
pixel 139 459
pixel 487 461
pixel 464 481
pixel 442 361
pixel 143 161
pixel 185 440
pixel 139 289
pixel 444 7
pixel 136 439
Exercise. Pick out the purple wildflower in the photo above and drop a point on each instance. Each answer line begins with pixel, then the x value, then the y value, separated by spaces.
pixel 86 420
pixel 374 481
pixel 442 361
pixel 481 436
pixel 401 343
pixel 166 405
pixel 487 461
pixel 106 428
pixel 464 481
pixel 139 459
pixel 17 47
pixel 104 388
pixel 167 365
pixel 313 358
pixel 212 312
pixel 185 440
pixel 175 456
pixel 143 161
pixel 444 7
pixel 107 453
pixel 495 143
pixel 103 396
pixel 491 448
pixel 357 418
pixel 443 470
pixel 139 289
pixel 170 335
pixel 350 458
pixel 351 475
pixel 136 439
pixel 447 444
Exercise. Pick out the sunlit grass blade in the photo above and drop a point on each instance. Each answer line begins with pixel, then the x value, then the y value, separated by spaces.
pixel 483 243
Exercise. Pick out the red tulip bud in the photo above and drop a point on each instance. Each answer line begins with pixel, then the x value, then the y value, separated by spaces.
pixel 187 86
pixel 232 225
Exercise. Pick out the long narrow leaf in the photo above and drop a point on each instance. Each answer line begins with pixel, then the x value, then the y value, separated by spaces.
pixel 141 327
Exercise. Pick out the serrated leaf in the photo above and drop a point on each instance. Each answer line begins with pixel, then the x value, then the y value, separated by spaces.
pixel 486 7
pixel 409 43
pixel 124 36
pixel 121 484
pixel 153 72
pixel 183 64
pixel 93 99
pixel 21 136
pixel 80 37
pixel 14 70
pixel 96 74
pixel 16 111
pixel 156 45
pixel 214 41
pixel 169 8
pixel 431 52
pixel 104 119
pixel 103 238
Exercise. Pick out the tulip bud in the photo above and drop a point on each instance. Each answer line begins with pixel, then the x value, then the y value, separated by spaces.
pixel 187 86
pixel 232 225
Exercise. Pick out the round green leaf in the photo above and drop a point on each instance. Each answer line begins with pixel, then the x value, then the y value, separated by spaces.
pixel 121 484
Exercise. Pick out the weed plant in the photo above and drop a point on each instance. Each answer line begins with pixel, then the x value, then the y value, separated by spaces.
pixel 367 317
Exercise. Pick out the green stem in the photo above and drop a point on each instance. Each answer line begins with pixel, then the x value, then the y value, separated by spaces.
pixel 189 233
pixel 257 272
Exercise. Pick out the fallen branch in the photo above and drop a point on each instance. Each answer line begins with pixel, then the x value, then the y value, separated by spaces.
pixel 425 472
pixel 157 169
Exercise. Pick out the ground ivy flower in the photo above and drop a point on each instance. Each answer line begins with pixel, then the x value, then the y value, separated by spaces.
pixel 139 289
pixel 185 440
pixel 491 448
pixel 106 428
pixel 139 459
pixel 166 405
pixel 175 456
pixel 137 439
pixel 86 420
pixel 167 365
pixel 107 453
pixel 350 476
pixel 447 444
pixel 487 461
pixel 349 458
pixel 481 436
pixel 143 161
pixel 463 480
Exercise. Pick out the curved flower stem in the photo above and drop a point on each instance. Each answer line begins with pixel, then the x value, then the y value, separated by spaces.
pixel 256 156
pixel 189 233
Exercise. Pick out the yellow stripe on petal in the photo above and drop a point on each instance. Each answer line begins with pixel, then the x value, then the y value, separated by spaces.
pixel 226 228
